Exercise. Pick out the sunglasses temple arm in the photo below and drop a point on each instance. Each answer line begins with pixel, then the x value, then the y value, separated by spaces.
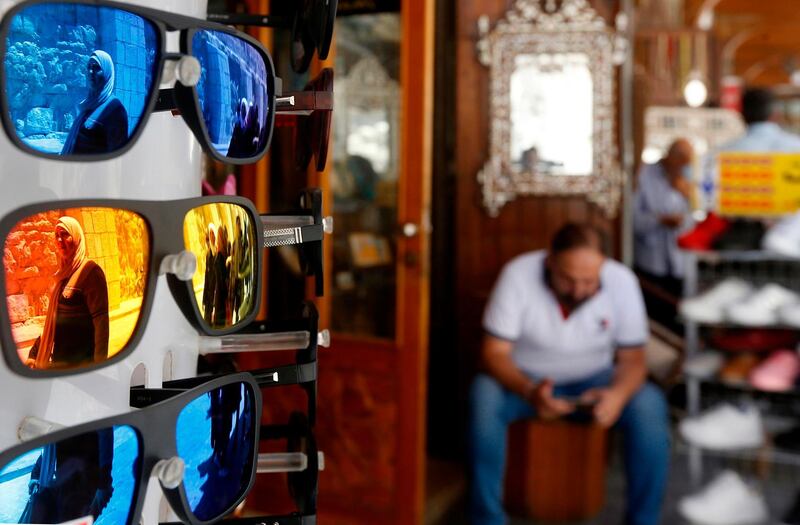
pixel 287 236
pixel 258 342
pixel 291 519
pixel 286 375
pixel 144 397
pixel 165 101
pixel 255 20
pixel 304 102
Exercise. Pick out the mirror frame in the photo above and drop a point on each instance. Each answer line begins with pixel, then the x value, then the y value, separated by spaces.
pixel 529 28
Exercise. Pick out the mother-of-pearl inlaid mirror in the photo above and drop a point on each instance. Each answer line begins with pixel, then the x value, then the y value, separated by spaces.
pixel 552 111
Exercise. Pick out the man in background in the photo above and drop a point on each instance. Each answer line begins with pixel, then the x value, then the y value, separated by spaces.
pixel 661 213
pixel 561 325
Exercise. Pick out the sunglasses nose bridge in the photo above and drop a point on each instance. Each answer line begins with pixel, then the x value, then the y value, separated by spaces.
pixel 182 265
pixel 183 68
pixel 170 472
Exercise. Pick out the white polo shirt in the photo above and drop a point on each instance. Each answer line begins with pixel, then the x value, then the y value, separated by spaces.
pixel 524 310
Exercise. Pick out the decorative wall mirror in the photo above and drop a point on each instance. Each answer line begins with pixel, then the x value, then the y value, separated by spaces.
pixel 552 112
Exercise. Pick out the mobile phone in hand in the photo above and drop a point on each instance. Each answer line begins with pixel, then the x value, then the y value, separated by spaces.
pixel 579 403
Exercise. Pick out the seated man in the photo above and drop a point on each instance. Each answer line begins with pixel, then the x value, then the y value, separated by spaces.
pixel 561 324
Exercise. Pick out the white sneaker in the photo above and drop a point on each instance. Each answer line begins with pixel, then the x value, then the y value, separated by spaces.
pixel 725 427
pixel 709 307
pixel 761 308
pixel 784 237
pixel 703 365
pixel 727 500
pixel 790 315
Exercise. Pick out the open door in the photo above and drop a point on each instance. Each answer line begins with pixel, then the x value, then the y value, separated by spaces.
pixel 372 388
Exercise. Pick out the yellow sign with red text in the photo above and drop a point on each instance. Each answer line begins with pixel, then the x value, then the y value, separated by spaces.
pixel 758 184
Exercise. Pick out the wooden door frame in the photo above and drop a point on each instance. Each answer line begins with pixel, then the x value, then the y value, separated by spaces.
pixel 416 156
pixel 410 346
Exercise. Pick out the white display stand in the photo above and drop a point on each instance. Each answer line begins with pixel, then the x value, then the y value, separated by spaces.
pixel 165 163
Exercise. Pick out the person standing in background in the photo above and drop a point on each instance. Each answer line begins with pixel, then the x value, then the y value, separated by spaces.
pixel 661 213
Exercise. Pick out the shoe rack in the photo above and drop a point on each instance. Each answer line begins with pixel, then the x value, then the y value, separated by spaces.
pixel 704 270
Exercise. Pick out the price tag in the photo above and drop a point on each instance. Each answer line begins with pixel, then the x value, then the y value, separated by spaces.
pixel 758 184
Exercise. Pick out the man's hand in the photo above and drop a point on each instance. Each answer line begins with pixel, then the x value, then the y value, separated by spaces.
pixel 672 220
pixel 547 406
pixel 609 404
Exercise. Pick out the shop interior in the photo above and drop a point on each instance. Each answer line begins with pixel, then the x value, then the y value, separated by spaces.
pixel 666 70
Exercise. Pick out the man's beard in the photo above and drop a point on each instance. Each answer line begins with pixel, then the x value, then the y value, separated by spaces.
pixel 571 303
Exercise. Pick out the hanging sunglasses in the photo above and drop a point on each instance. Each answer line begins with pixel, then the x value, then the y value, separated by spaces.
pixel 81 77
pixel 311 23
pixel 200 444
pixel 303 480
pixel 79 276
pixel 313 124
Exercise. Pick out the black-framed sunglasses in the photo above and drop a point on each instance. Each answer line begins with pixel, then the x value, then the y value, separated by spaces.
pixel 311 22
pixel 79 275
pixel 303 481
pixel 201 445
pixel 81 77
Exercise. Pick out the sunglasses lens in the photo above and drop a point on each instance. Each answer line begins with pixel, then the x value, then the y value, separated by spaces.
pixel 88 475
pixel 78 77
pixel 215 437
pixel 222 237
pixel 75 279
pixel 233 93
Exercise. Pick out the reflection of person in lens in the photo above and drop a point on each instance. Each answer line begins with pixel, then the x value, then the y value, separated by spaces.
pixel 228 466
pixel 239 270
pixel 210 281
pixel 246 131
pixel 102 122
pixel 75 329
pixel 71 479
pixel 221 277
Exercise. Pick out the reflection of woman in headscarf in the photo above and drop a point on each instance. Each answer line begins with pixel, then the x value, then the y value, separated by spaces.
pixel 76 327
pixel 102 122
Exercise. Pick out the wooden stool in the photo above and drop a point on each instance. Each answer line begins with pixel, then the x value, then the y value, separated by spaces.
pixel 556 470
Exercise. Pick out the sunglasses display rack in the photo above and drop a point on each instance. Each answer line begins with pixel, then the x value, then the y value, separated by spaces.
pixel 118 277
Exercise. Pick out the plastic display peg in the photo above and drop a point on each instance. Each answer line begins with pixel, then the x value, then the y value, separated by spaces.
pixel 170 472
pixel 324 338
pixel 33 427
pixel 182 265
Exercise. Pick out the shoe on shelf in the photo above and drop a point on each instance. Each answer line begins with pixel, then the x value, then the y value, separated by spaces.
pixel 789 315
pixel 724 427
pixel 702 236
pixel 792 516
pixel 709 306
pixel 784 237
pixel 737 370
pixel 741 235
pixel 761 308
pixel 752 339
pixel 778 372
pixel 703 365
pixel 727 500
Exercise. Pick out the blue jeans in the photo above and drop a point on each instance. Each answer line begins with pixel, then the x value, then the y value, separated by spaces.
pixel 644 425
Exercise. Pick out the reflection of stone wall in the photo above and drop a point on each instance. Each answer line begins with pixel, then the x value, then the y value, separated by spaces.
pixel 113 240
pixel 231 71
pixel 46 64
